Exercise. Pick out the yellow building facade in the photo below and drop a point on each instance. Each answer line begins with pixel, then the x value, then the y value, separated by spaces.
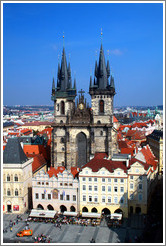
pixel 103 191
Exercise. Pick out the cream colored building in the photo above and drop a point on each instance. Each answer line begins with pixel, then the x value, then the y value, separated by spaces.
pixel 116 185
pixel 56 190
pixel 17 178
pixel 103 187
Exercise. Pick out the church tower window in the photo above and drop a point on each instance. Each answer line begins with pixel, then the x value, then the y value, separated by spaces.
pixel 101 106
pixel 62 107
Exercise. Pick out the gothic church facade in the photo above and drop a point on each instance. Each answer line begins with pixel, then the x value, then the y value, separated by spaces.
pixel 79 131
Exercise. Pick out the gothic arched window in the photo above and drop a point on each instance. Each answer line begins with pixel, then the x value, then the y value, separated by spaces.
pixel 8 177
pixel 62 107
pixel 8 192
pixel 101 106
pixel 16 192
pixel 16 178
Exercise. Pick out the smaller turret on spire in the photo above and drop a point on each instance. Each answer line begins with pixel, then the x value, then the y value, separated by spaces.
pixel 53 87
pixel 112 85
pixel 90 86
pixel 108 66
pixel 74 87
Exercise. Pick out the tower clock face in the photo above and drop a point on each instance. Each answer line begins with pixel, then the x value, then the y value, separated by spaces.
pixel 81 106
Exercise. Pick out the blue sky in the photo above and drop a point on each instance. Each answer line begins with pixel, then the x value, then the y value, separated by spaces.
pixel 32 41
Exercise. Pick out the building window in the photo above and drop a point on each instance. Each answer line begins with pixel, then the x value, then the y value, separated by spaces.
pixel 84 187
pixel 8 192
pixel 68 197
pixel 84 198
pixel 86 172
pixel 90 187
pixel 38 183
pixel 58 107
pixel 36 196
pixel 121 189
pixel 90 198
pixel 90 179
pixel 109 199
pixel 101 133
pixel 62 140
pixel 101 106
pixel 115 189
pixel 140 197
pixel 131 177
pixel 115 180
pixel 103 180
pixel 95 179
pixel 122 200
pixel 137 170
pixel 62 107
pixel 61 196
pixel 115 200
pixel 131 186
pixel 131 196
pixel 109 180
pixel 83 179
pixel 8 177
pixel 16 178
pixel 70 184
pixel 61 184
pixel 103 188
pixel 16 192
pixel 122 180
pixel 49 196
pixel 43 196
pixel 95 188
pixel 47 183
pixel 95 199
pixel 140 186
pixel 103 199
pixel 109 188
pixel 140 177
pixel 65 184
pixel 42 183
pixel 74 198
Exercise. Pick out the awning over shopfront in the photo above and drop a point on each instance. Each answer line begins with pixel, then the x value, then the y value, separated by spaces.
pixel 70 213
pixel 91 215
pixel 116 216
pixel 42 213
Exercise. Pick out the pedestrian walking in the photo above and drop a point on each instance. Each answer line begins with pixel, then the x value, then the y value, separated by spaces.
pixel 11 229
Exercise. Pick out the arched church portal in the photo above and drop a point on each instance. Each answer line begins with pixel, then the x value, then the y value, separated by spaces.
pixel 81 142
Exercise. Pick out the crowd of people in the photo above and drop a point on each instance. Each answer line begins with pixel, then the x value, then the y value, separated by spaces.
pixel 42 239
pixel 60 219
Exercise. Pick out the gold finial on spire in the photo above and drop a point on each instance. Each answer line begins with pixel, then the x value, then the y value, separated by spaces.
pixel 101 34
pixel 63 39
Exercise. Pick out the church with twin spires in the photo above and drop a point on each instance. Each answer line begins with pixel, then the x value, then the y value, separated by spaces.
pixel 80 131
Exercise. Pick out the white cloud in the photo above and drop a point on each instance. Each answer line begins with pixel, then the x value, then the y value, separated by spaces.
pixel 116 52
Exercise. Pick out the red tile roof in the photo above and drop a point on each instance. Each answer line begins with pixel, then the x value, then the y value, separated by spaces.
pixel 100 155
pixel 149 156
pixel 115 119
pixel 139 125
pixel 53 171
pixel 96 164
pixel 134 160
pixel 38 162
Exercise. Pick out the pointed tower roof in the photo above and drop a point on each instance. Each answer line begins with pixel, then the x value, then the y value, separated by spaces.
pixel 64 81
pixel 13 153
pixel 102 73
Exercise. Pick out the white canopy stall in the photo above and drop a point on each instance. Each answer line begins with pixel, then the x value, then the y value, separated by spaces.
pixel 66 213
pixel 116 216
pixel 91 215
pixel 43 213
